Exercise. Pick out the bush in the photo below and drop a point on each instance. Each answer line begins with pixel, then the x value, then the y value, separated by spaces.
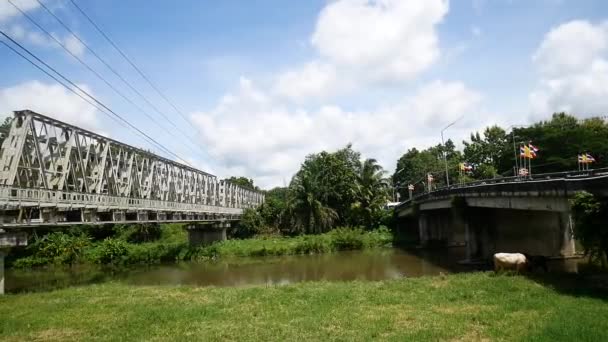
pixel 59 248
pixel 251 224
pixel 347 238
pixel 311 244
pixel 111 251
pixel 591 229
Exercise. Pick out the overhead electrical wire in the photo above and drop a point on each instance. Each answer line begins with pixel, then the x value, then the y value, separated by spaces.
pixel 98 102
pixel 139 71
pixel 88 67
pixel 144 98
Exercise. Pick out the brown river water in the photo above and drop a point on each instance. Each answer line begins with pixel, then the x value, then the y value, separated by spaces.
pixel 367 265
pixel 371 265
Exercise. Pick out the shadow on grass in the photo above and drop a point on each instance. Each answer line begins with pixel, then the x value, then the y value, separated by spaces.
pixel 587 283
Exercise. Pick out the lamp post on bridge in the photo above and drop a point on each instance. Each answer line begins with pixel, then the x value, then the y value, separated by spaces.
pixel 445 154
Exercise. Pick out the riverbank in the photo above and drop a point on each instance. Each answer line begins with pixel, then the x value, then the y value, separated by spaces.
pixel 474 306
pixel 133 245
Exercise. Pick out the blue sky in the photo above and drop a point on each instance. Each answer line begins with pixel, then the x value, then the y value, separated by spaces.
pixel 267 82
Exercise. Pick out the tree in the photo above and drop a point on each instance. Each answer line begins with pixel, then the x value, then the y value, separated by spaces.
pixel 414 165
pixel 492 152
pixel 5 128
pixel 246 183
pixel 305 209
pixel 251 223
pixel 591 228
pixel 371 195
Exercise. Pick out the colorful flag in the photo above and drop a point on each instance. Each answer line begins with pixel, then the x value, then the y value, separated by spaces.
pixel 532 147
pixel 466 167
pixel 527 152
pixel 585 158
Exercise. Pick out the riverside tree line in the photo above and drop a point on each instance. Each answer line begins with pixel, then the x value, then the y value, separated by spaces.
pixel 340 189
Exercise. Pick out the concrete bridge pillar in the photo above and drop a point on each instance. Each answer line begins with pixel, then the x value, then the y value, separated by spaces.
pixel 566 225
pixel 9 240
pixel 206 234
pixel 1 272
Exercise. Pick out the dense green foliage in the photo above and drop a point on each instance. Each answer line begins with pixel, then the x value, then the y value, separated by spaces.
pixel 244 182
pixel 492 153
pixel 331 189
pixel 591 226
pixel 172 245
pixel 462 307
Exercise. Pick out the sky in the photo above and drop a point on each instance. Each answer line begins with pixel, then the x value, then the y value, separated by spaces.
pixel 258 85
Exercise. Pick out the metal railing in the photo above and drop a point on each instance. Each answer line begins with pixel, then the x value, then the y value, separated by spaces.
pixel 514 179
pixel 54 198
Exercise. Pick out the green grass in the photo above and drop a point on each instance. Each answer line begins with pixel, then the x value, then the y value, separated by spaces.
pixel 463 307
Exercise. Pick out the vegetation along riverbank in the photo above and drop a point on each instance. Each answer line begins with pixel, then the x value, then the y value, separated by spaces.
pixel 463 307
pixel 149 244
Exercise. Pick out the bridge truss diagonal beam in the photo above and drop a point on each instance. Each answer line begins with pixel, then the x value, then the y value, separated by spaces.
pixel 47 163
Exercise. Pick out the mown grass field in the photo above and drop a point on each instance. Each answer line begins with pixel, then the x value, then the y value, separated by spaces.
pixel 462 307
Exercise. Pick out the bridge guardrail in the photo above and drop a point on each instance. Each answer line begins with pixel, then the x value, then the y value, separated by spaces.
pixel 514 179
pixel 50 198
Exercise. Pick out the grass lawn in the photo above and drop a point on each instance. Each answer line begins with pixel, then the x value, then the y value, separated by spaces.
pixel 462 307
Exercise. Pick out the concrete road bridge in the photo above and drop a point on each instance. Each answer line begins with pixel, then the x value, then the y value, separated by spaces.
pixel 510 214
pixel 55 174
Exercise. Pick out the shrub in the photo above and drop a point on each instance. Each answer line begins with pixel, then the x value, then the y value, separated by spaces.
pixel 59 248
pixel 111 251
pixel 347 238
pixel 251 223
pixel 311 244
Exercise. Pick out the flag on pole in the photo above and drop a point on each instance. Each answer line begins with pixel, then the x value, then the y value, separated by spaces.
pixel 528 151
pixel 585 158
pixel 532 147
pixel 466 167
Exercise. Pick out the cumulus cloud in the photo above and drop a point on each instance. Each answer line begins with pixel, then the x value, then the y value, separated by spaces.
pixel 8 11
pixel 253 131
pixel 391 38
pixel 314 80
pixel 365 42
pixel 49 99
pixel 572 62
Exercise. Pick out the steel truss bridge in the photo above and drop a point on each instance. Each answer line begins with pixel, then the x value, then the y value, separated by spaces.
pixel 53 173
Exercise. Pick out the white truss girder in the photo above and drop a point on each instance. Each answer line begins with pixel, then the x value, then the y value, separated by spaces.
pixel 62 161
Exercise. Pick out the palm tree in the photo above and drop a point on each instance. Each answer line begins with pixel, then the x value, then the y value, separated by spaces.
pixel 304 208
pixel 372 190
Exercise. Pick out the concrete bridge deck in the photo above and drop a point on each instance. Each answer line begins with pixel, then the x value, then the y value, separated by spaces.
pixel 503 215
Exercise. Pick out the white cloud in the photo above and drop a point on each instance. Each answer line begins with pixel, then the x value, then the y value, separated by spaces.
pixel 8 11
pixel 49 99
pixel 362 42
pixel 314 80
pixel 573 66
pixel 252 132
pixel 392 39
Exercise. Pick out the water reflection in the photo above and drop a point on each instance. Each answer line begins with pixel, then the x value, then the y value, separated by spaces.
pixel 342 266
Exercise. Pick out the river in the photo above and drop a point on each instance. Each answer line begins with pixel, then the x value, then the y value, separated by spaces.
pixel 377 264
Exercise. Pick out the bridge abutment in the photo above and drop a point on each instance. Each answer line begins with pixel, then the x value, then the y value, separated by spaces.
pixel 486 227
pixel 206 234
pixel 7 240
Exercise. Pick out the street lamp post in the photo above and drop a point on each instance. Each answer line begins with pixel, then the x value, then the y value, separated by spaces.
pixel 445 154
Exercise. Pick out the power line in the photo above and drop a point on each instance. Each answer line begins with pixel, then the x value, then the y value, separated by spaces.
pixel 141 73
pixel 91 69
pixel 110 67
pixel 150 139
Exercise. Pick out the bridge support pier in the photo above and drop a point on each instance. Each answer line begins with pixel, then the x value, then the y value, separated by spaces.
pixel 9 240
pixel 206 234
pixel 1 273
